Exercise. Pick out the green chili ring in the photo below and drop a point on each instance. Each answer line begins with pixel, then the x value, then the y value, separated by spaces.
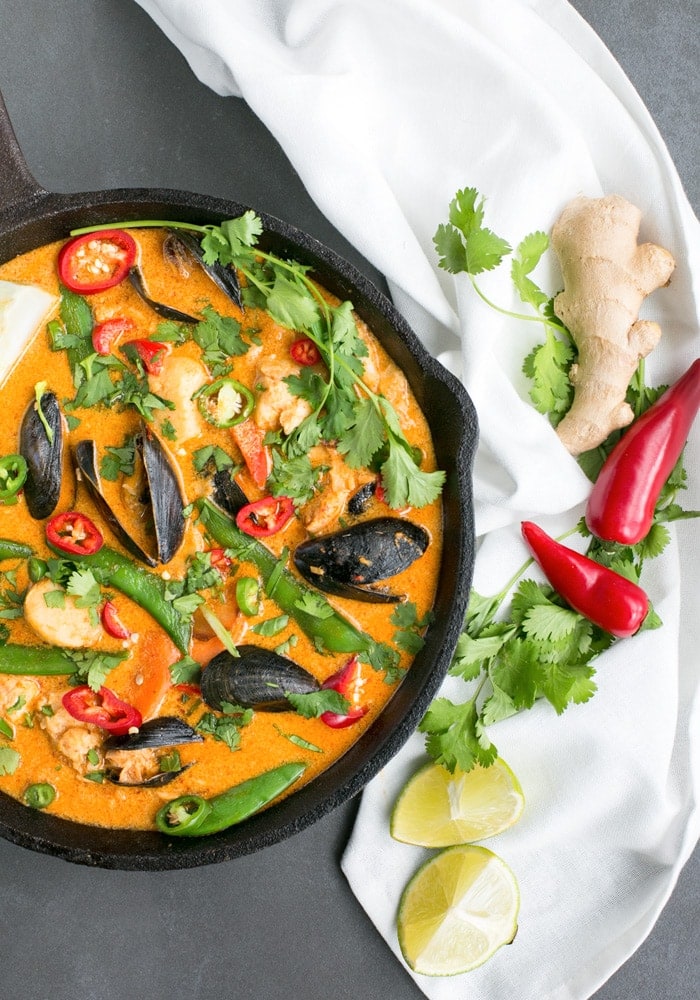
pixel 193 816
pixel 248 595
pixel 208 406
pixel 13 474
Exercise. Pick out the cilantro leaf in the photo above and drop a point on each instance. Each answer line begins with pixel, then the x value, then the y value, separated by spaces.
pixel 456 737
pixel 314 703
pixel 465 244
pixel 528 254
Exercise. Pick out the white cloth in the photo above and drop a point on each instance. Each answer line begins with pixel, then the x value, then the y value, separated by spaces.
pixel 386 108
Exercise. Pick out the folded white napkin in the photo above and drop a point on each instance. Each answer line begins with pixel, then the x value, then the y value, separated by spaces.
pixel 386 108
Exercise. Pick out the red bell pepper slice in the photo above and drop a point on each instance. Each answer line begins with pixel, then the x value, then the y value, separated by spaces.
pixel 94 262
pixel 349 682
pixel 265 517
pixel 249 438
pixel 305 352
pixel 108 331
pixel 151 353
pixel 74 533
pixel 102 708
pixel 112 623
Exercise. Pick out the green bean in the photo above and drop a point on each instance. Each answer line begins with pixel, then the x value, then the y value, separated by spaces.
pixel 14 550
pixel 38 660
pixel 329 628
pixel 193 816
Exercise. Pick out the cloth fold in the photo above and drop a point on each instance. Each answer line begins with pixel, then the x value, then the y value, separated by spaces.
pixel 386 108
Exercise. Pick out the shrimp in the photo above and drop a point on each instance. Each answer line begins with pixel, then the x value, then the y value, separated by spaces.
pixel 67 626
pixel 73 739
pixel 21 692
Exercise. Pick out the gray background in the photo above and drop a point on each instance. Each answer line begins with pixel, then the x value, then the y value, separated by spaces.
pixel 99 98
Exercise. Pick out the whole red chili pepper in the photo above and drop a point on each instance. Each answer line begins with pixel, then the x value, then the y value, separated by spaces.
pixel 606 598
pixel 622 503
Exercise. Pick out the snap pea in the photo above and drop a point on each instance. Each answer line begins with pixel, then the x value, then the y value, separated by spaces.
pixel 143 587
pixel 37 660
pixel 14 550
pixel 329 628
pixel 193 816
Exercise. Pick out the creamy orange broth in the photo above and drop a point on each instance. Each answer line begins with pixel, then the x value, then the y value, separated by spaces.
pixel 144 678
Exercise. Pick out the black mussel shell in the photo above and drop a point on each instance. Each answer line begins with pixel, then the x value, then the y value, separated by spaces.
pixel 227 493
pixel 347 562
pixel 257 678
pixel 165 731
pixel 44 457
pixel 166 312
pixel 360 500
pixel 162 508
pixel 225 277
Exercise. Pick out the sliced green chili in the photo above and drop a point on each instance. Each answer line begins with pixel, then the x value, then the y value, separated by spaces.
pixel 309 609
pixel 225 402
pixel 13 473
pixel 14 550
pixel 193 816
pixel 248 595
pixel 37 569
pixel 39 796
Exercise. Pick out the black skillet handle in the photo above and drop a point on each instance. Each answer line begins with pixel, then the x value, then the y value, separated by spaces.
pixel 16 182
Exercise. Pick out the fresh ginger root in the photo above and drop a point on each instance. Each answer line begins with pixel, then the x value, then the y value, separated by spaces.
pixel 607 276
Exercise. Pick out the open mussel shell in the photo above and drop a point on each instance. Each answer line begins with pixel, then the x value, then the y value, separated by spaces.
pixel 43 454
pixel 347 562
pixel 225 277
pixel 257 678
pixel 165 731
pixel 162 507
pixel 164 311
pixel 227 493
pixel 155 734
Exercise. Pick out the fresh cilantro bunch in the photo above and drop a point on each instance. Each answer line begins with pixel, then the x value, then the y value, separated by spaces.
pixel 465 245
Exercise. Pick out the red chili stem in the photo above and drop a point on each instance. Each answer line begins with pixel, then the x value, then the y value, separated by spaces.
pixel 623 500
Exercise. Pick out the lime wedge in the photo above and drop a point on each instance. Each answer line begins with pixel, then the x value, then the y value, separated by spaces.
pixel 438 809
pixel 459 908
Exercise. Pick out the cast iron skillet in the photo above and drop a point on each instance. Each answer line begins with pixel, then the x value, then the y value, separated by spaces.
pixel 31 216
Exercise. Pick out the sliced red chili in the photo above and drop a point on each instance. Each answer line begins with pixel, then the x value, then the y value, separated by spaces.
pixel 108 331
pixel 151 353
pixel 305 352
pixel 75 533
pixel 112 623
pixel 265 517
pixel 94 262
pixel 102 708
pixel 219 560
pixel 349 682
pixel 249 438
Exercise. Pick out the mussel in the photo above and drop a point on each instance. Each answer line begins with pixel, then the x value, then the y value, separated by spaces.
pixel 181 243
pixel 227 493
pixel 158 507
pixel 155 734
pixel 165 312
pixel 42 450
pixel 347 562
pixel 362 497
pixel 257 678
